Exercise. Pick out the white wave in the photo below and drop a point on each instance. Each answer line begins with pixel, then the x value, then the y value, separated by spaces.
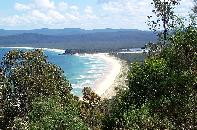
pixel 75 86
pixel 82 55
pixel 93 66
pixel 82 76
pixel 91 71
pixel 89 75
pixel 87 63
pixel 28 48
pixel 53 50
pixel 86 83
pixel 31 48
pixel 76 54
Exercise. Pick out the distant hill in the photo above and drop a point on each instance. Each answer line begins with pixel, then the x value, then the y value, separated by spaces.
pixel 77 38
pixel 62 32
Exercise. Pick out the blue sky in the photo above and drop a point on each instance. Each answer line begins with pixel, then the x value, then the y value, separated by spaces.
pixel 86 14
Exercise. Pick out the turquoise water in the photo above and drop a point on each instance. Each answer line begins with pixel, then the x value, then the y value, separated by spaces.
pixel 80 70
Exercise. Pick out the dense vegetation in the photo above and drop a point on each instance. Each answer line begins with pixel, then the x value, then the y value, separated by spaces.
pixel 161 91
pixel 103 39
pixel 63 32
pixel 34 94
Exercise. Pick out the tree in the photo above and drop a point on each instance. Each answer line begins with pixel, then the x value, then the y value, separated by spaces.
pixel 93 109
pixel 142 118
pixel 30 79
pixel 162 91
pixel 195 7
pixel 51 114
pixel 184 46
pixel 165 14
pixel 2 87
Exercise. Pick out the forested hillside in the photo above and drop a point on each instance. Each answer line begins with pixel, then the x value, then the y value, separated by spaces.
pixel 100 39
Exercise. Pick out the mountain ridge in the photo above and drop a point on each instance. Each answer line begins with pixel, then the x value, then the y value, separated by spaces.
pixel 65 31
pixel 99 39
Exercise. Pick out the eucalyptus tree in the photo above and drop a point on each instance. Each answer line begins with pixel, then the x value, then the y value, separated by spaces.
pixel 163 9
pixel 195 7
pixel 35 93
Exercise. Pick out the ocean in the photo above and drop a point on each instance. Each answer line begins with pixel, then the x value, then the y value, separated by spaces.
pixel 81 70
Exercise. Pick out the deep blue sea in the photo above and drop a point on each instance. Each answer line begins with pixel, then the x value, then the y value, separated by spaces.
pixel 81 70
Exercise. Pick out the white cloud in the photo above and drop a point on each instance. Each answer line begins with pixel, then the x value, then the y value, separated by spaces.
pixel 63 6
pixel 43 13
pixel 104 1
pixel 49 14
pixel 88 10
pixel 74 8
pixel 19 6
pixel 36 4
pixel 184 8
pixel 38 15
pixel 71 16
pixel 107 14
pixel 55 15
pixel 130 13
pixel 44 4
pixel 133 13
pixel 127 6
pixel 89 13
pixel 141 7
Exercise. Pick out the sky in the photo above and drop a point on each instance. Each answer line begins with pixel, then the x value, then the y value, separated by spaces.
pixel 85 14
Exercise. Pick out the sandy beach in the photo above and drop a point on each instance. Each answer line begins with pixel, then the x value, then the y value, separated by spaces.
pixel 111 78
pixel 105 86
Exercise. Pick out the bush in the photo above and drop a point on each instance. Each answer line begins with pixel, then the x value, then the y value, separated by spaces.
pixel 35 94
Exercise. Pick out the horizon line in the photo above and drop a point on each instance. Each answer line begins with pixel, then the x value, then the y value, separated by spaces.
pixel 73 29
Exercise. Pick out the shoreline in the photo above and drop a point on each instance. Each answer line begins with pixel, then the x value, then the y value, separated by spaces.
pixel 120 81
pixel 106 86
pixel 32 48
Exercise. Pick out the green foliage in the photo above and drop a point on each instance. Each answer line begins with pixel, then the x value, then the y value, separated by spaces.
pixel 162 91
pixel 168 92
pixel 148 81
pixel 115 110
pixel 32 72
pixel 36 94
pixel 141 118
pixel 195 7
pixel 2 102
pixel 181 53
pixel 165 21
pixel 50 114
pixel 92 109
pixel 163 9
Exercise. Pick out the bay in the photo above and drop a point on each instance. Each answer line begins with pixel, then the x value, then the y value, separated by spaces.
pixel 81 70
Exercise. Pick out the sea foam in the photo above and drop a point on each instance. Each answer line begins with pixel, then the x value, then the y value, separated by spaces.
pixel 80 70
pixel 31 48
